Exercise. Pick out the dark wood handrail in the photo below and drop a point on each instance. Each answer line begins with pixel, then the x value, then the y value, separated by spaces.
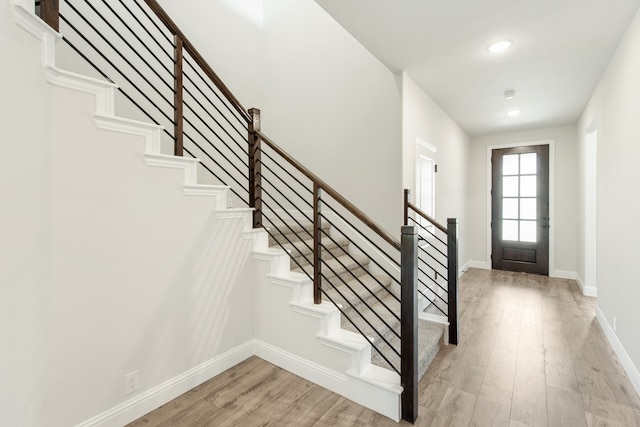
pixel 333 193
pixel 427 217
pixel 173 28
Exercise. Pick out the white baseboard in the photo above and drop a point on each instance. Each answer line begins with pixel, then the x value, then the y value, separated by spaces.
pixel 157 396
pixel 587 291
pixel 382 396
pixel 483 265
pixel 627 363
pixel 315 373
pixel 563 274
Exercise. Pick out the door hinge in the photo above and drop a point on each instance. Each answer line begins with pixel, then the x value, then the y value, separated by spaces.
pixel 435 168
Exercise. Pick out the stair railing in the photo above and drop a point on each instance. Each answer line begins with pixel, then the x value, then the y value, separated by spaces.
pixel 437 263
pixel 312 234
pixel 350 259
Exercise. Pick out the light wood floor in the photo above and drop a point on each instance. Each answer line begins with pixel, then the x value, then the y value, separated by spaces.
pixel 531 353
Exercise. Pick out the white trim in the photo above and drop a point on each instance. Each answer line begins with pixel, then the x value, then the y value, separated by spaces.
pixel 563 274
pixel 483 265
pixel 552 205
pixel 153 398
pixel 187 164
pixel 150 132
pixel 421 142
pixel 627 363
pixel 24 16
pixel 376 388
pixel 588 217
pixel 587 291
pixel 464 268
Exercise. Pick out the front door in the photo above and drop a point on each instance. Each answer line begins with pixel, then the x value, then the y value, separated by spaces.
pixel 520 209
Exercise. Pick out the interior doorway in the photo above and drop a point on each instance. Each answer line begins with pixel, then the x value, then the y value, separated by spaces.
pixel 520 209
pixel 425 175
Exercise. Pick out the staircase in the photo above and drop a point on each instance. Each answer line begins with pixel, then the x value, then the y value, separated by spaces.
pixel 350 342
pixel 358 292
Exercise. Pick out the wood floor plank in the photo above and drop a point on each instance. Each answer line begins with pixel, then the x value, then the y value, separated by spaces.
pixel 514 423
pixel 599 421
pixel 493 408
pixel 631 416
pixel 529 404
pixel 306 411
pixel 528 343
pixel 456 409
pixel 565 408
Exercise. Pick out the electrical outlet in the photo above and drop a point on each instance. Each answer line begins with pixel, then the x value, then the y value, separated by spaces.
pixel 131 382
pixel 615 324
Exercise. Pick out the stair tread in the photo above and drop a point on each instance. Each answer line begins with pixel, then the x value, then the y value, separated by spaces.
pixel 281 228
pixel 340 264
pixel 305 247
pixel 371 306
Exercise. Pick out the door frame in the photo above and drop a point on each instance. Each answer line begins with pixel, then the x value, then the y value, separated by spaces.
pixel 552 152
pixel 424 149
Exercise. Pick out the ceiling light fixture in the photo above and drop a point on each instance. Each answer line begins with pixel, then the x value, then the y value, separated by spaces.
pixel 499 46
pixel 513 113
pixel 510 94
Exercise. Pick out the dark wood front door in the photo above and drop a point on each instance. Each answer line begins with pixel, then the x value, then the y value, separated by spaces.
pixel 520 209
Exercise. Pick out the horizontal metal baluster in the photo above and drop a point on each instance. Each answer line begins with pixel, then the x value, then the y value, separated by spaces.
pixel 206 153
pixel 232 164
pixel 287 225
pixel 310 191
pixel 370 260
pixel 393 278
pixel 357 229
pixel 426 230
pixel 392 347
pixel 240 145
pixel 423 251
pixel 134 50
pixel 224 102
pixel 273 236
pixel 272 173
pixel 280 192
pixel 117 70
pixel 134 68
pixel 150 18
pixel 363 285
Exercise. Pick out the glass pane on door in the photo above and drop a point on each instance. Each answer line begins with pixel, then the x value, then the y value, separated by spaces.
pixel 519 192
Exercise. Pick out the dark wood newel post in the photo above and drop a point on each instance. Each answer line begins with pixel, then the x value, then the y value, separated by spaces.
pixel 409 322
pixel 317 245
pixel 255 167
pixel 50 13
pixel 407 196
pixel 178 148
pixel 452 279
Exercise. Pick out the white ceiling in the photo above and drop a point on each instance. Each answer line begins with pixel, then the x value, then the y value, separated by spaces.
pixel 561 48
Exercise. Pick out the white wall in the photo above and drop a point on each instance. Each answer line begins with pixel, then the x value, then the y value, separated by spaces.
pixel 563 222
pixel 228 34
pixel 614 106
pixel 333 106
pixel 105 266
pixel 24 224
pixel 423 118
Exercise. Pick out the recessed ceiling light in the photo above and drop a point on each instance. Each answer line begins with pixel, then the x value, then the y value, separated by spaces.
pixel 513 113
pixel 499 46
pixel 510 94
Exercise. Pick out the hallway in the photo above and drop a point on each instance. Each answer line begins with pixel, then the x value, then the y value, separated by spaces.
pixel 531 353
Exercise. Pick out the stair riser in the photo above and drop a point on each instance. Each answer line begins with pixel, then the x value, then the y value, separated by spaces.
pixel 327 254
